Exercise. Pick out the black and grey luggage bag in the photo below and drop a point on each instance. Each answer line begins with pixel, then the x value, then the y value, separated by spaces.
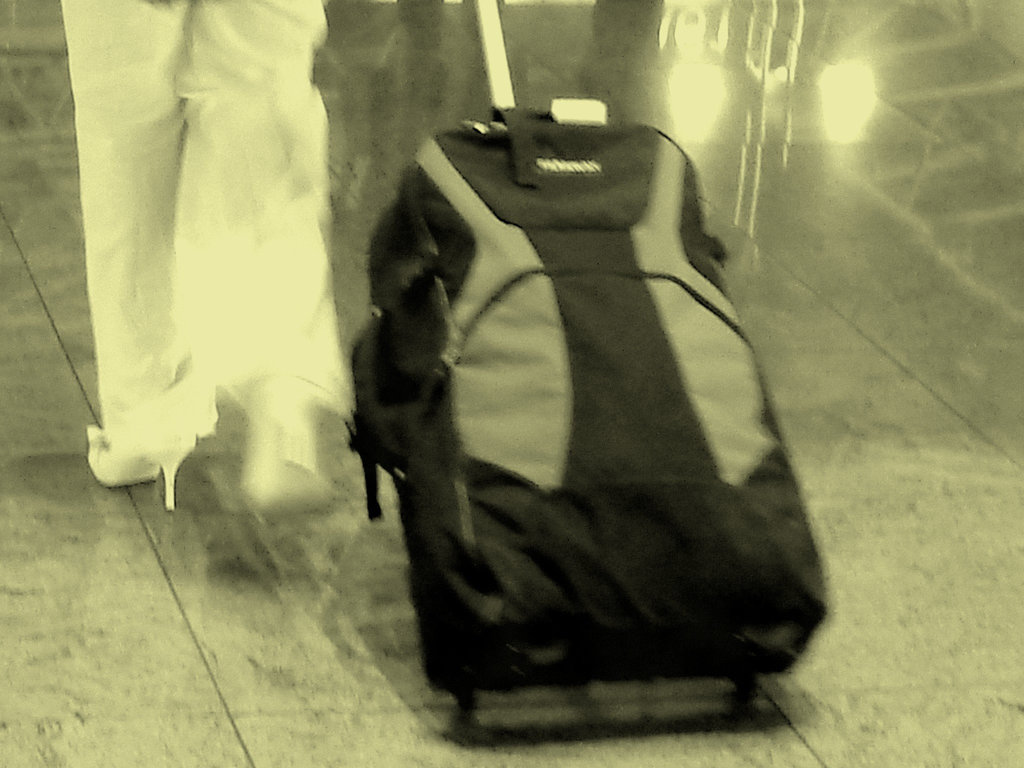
pixel 592 484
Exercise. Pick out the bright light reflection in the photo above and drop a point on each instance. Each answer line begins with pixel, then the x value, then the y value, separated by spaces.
pixel 696 91
pixel 690 28
pixel 848 98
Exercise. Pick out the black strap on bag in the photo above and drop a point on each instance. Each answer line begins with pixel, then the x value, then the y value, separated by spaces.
pixel 358 443
pixel 503 100
pixel 360 433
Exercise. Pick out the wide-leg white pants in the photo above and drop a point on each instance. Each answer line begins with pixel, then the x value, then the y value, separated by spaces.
pixel 202 153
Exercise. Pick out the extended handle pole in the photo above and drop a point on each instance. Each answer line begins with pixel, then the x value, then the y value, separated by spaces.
pixel 495 55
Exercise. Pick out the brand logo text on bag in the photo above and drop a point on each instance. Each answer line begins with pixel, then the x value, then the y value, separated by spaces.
pixel 560 165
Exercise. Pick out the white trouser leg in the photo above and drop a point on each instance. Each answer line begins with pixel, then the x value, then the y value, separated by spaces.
pixel 123 58
pixel 253 201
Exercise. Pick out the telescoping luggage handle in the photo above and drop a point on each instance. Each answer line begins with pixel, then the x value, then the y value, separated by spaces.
pixel 499 77
pixel 492 38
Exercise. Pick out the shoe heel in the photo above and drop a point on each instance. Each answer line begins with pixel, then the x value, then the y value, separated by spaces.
pixel 169 472
pixel 169 465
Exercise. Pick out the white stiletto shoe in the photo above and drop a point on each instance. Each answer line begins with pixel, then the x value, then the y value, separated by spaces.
pixel 281 473
pixel 152 439
pixel 122 460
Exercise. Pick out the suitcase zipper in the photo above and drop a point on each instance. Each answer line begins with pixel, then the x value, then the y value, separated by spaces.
pixel 459 336
pixel 449 358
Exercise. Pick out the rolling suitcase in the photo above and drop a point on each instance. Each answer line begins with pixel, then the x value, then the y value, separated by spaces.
pixel 591 481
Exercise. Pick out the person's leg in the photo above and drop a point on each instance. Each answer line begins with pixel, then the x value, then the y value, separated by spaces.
pixel 252 223
pixel 123 58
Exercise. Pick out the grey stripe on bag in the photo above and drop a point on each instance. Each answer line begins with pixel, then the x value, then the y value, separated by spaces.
pixel 512 396
pixel 716 364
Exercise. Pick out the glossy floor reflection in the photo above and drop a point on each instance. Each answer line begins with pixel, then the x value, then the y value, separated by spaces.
pixel 864 162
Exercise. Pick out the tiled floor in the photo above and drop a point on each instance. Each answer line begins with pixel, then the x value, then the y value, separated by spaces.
pixel 880 279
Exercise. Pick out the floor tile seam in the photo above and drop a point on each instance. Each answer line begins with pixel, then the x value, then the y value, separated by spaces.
pixel 399 708
pixel 27 719
pixel 794 728
pixel 191 630
pixel 942 255
pixel 980 688
pixel 904 368
pixel 8 233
